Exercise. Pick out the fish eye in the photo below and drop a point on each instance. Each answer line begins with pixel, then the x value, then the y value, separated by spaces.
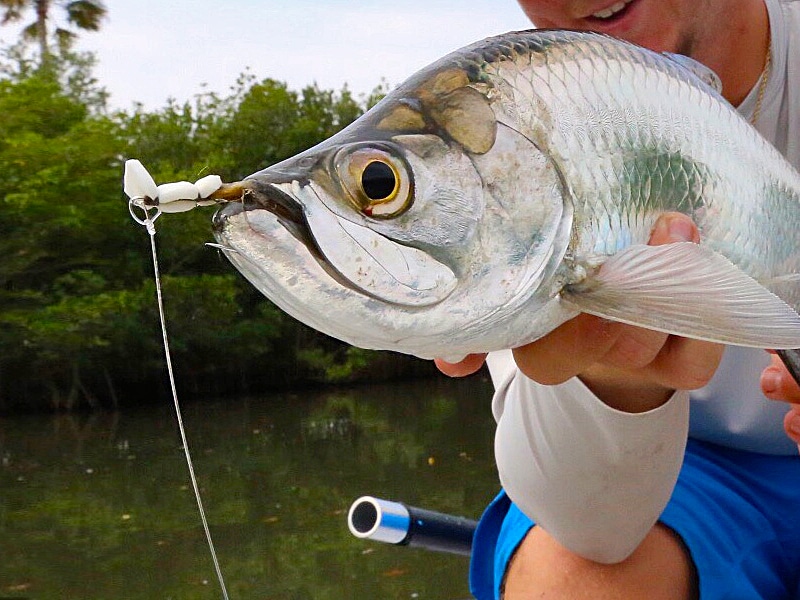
pixel 378 182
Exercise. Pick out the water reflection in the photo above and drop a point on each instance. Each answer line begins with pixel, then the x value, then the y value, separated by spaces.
pixel 99 506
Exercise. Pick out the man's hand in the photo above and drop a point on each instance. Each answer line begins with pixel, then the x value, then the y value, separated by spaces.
pixel 778 384
pixel 629 368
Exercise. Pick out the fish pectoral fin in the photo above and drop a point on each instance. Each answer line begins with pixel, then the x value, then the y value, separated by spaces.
pixel 687 290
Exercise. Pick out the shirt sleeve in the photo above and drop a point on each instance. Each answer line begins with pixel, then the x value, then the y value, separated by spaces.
pixel 595 478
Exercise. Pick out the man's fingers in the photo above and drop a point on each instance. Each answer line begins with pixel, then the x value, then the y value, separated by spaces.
pixel 685 364
pixel 635 348
pixel 674 227
pixel 778 384
pixel 469 365
pixel 791 424
pixel 568 350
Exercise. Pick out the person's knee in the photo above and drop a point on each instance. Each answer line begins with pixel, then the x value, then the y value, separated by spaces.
pixel 659 568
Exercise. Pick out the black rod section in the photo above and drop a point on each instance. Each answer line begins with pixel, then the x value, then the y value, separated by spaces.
pixel 396 523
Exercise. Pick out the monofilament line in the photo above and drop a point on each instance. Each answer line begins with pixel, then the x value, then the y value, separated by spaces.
pixel 149 225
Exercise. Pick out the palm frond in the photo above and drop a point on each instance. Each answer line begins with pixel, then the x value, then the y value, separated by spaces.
pixel 31 32
pixel 86 14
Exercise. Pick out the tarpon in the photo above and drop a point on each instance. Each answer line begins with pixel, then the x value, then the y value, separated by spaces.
pixel 512 185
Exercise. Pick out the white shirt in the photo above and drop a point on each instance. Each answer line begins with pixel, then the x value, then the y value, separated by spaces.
pixel 597 479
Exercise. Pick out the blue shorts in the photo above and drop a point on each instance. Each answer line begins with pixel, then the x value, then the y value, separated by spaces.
pixel 737 512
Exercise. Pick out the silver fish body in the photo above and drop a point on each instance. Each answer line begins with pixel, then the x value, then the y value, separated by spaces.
pixel 513 184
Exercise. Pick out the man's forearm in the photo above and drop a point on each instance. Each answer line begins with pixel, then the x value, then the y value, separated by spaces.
pixel 593 477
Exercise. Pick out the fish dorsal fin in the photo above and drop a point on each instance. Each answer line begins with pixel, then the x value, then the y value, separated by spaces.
pixel 688 290
pixel 698 69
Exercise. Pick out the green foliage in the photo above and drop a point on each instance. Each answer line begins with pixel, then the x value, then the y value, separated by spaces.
pixel 272 123
pixel 336 366
pixel 78 319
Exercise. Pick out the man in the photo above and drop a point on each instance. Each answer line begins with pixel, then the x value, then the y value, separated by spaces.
pixel 732 526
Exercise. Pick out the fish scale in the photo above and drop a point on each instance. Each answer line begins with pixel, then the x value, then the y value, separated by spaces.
pixel 527 171
pixel 697 131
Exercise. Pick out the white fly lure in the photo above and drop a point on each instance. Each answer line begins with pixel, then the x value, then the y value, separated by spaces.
pixel 175 197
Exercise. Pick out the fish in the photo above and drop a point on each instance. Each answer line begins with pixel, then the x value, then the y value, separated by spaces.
pixel 513 184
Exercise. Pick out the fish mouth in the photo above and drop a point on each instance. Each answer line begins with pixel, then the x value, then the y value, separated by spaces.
pixel 354 256
pixel 257 195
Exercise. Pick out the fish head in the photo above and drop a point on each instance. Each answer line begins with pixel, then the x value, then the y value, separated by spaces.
pixel 426 226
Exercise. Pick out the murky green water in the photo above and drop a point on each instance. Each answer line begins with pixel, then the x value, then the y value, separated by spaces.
pixel 99 506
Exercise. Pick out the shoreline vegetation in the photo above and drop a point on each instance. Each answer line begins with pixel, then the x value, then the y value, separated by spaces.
pixel 78 318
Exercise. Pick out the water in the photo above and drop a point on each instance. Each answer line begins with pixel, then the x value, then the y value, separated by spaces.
pixel 99 506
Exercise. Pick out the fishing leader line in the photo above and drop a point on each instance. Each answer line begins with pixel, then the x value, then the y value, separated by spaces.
pixel 135 203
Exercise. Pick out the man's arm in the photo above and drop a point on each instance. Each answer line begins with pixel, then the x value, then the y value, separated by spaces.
pixel 591 432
